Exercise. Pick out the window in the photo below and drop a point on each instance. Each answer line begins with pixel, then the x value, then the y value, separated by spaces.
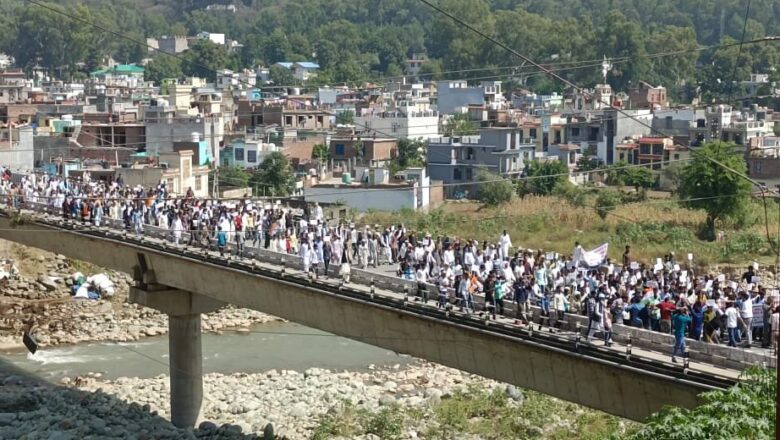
pixel 532 133
pixel 340 149
pixel 575 132
pixel 676 157
pixel 288 120
pixel 239 154
pixel 251 156
pixel 668 122
pixel 457 174
pixel 198 183
pixel 469 174
pixel 470 153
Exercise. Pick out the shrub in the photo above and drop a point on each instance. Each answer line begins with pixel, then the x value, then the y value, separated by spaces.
pixel 606 202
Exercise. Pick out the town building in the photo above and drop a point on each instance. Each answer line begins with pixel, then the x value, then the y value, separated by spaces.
pixel 455 96
pixel 176 169
pixel 459 161
pixel 302 71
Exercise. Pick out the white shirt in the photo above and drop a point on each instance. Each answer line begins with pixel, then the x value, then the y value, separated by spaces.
pixel 731 317
pixel 747 308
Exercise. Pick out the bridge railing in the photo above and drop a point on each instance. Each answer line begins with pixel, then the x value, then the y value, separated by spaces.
pixel 714 353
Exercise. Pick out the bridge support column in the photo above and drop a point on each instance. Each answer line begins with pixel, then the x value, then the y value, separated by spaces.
pixel 184 345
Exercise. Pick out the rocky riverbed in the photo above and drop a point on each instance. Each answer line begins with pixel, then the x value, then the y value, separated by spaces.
pixel 422 400
pixel 40 296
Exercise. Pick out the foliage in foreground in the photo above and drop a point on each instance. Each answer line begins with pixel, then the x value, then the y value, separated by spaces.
pixel 745 411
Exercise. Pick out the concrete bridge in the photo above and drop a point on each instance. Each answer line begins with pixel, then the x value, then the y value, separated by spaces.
pixel 184 282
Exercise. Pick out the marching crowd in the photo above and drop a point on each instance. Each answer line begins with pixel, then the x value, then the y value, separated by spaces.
pixel 665 297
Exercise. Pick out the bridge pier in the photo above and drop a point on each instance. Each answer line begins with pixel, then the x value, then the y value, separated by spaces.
pixel 184 345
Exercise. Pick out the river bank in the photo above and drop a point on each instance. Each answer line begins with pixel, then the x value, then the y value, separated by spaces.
pixel 39 295
pixel 420 400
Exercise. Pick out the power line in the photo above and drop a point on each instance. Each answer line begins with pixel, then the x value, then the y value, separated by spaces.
pixel 739 51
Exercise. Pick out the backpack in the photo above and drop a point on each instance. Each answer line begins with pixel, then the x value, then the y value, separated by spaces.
pixel 238 223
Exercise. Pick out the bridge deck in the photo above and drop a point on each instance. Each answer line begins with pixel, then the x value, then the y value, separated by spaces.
pixel 651 366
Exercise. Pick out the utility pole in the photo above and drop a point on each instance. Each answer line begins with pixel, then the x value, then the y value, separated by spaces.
pixel 215 149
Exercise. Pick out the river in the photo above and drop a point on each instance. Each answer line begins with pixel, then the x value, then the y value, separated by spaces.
pixel 277 345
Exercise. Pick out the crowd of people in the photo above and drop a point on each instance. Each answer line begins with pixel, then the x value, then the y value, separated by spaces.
pixel 665 297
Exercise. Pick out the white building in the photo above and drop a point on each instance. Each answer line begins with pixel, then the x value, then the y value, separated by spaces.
pixel 399 123
pixel 214 38
pixel 411 192
pixel 16 148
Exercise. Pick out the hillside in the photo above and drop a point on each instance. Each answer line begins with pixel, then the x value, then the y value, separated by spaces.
pixel 358 40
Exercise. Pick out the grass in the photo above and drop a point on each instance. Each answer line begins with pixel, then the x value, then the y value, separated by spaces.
pixel 477 412
pixel 653 228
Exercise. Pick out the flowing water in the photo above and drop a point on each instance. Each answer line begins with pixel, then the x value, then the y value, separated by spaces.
pixel 279 345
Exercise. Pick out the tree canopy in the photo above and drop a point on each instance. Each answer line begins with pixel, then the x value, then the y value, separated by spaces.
pixel 275 173
pixel 357 42
pixel 707 184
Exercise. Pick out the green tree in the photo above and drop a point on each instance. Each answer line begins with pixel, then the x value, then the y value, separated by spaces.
pixel 459 125
pixel 281 76
pixel 606 202
pixel 275 173
pixel 707 185
pixel 234 176
pixel 640 177
pixel 347 117
pixel 162 66
pixel 585 163
pixel 543 177
pixel 320 152
pixel 411 153
pixel 493 189
pixel 204 58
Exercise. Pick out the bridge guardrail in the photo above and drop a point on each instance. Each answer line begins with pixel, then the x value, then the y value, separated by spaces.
pixel 714 353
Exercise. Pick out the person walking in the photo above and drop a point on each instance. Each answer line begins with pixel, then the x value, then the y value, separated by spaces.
pixel 607 321
pixel 221 238
pixel 733 319
pixel 746 313
pixel 595 316
pixel 680 322
pixel 560 304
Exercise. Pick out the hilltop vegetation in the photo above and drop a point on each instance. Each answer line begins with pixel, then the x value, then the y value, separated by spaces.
pixel 355 41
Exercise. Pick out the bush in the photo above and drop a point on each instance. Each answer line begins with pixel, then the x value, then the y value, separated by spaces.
pixel 745 411
pixel 494 191
pixel 675 236
pixel 743 244
pixel 606 202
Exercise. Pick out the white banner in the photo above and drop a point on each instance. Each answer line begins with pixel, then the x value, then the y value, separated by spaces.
pixel 596 256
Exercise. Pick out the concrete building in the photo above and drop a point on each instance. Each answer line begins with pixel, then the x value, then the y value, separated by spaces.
pixel 354 150
pixel 303 70
pixel 164 127
pixel 375 189
pixel 173 45
pixel 415 63
pixel 602 131
pixel 17 149
pixel 459 160
pixel 246 153
pixel 401 123
pixel 456 95
pixel 175 169
pixel 647 96
pixel 724 123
